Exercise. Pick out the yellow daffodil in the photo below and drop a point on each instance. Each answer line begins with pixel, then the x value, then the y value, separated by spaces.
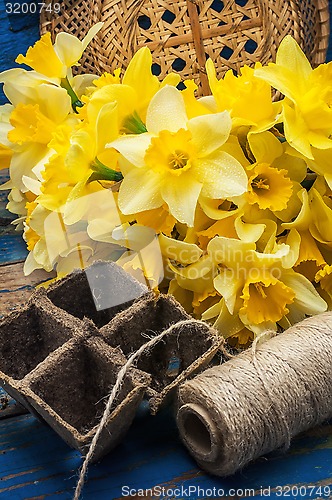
pixel 269 187
pixel 6 152
pixel 324 278
pixel 177 159
pixel 194 106
pixel 321 213
pixel 310 259
pixel 159 219
pixel 132 93
pixel 51 67
pixel 275 178
pixel 82 161
pixel 247 98
pixel 222 201
pixel 258 289
pixel 31 130
pixel 307 113
pixel 54 60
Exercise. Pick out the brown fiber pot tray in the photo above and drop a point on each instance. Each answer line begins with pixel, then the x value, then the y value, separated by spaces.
pixel 61 353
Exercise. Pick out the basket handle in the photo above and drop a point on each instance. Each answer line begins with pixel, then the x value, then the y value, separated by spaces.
pixel 198 43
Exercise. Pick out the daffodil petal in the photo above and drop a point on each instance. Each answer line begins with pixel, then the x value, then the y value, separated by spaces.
pixel 209 132
pixel 248 232
pixel 229 251
pixel 296 131
pixel 31 184
pixel 68 48
pixel 304 217
pixel 185 253
pixel 133 147
pixel 280 78
pixel 322 163
pixel 23 163
pixel 185 187
pixel 123 95
pixel 101 230
pixel 228 324
pixel 43 58
pixel 319 141
pixel 212 210
pixel 166 111
pixel 54 102
pixel 30 264
pixel 290 56
pixel 265 147
pixel 307 299
pixel 223 175
pixel 107 125
pixel 228 285
pixel 139 191
pixel 213 311
pixel 212 76
pixel 193 271
pixel 138 75
pixel 91 34
pixel 209 103
pixel 321 217
pixel 80 83
pixel 134 237
pixel 328 178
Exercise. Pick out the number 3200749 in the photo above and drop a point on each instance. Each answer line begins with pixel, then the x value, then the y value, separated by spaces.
pixel 31 7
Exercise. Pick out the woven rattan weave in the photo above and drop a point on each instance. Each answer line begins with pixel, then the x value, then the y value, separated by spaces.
pixel 183 33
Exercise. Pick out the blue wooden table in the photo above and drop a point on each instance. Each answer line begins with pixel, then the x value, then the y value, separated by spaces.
pixel 36 464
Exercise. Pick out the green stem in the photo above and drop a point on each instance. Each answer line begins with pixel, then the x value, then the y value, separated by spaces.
pixel 103 173
pixel 75 101
pixel 133 124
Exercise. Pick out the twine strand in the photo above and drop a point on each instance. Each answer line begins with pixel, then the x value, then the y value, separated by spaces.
pixel 108 408
pixel 275 404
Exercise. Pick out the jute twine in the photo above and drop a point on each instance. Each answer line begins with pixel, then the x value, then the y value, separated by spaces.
pixel 257 401
pixel 115 390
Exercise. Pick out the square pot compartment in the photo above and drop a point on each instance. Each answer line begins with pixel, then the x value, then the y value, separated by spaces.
pixel 70 392
pixel 174 358
pixel 27 337
pixel 98 293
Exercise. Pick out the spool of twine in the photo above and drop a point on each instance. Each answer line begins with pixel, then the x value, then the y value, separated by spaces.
pixel 256 402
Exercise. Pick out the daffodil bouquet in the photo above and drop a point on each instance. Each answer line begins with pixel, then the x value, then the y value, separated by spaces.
pixel 223 201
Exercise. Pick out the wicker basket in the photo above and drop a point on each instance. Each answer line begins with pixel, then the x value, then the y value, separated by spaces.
pixel 183 33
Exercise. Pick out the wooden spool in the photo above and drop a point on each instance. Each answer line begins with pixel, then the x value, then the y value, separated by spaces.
pixel 182 34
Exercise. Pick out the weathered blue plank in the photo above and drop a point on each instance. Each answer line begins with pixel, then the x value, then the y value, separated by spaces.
pixel 13 43
pixel 35 463
pixel 12 248
pixel 22 14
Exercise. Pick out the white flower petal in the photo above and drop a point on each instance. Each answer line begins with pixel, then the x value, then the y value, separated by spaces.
pixel 68 48
pixel 307 299
pixel 209 132
pixel 132 147
pixel 166 111
pixel 223 175
pixel 91 34
pixel 139 191
pixel 31 184
pixel 181 195
pixel 54 102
